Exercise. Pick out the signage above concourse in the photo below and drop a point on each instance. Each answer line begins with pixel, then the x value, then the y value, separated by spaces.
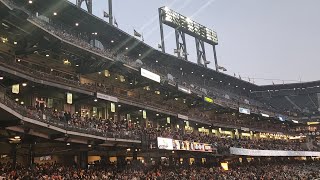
pixel 150 75
pixel 107 97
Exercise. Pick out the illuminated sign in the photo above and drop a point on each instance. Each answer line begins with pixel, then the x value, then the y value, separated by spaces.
pixel 113 107
pixel 107 97
pixel 264 115
pixel 15 89
pixel 150 75
pixel 165 143
pixel 173 144
pixel 207 99
pixel 244 110
pixel 281 118
pixel 69 98
pixel 184 89
pixel 144 114
pixel 225 166
pixel 313 123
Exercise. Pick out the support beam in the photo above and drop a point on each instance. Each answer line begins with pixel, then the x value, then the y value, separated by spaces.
pixel 215 57
pixel 110 12
pixel 201 53
pixel 88 4
pixel 181 44
pixel 161 31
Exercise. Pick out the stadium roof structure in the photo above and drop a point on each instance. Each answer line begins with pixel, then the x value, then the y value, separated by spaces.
pixel 68 13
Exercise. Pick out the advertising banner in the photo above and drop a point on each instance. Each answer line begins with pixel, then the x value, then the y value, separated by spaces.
pixel 173 144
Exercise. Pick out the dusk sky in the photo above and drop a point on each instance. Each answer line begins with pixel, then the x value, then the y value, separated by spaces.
pixel 266 40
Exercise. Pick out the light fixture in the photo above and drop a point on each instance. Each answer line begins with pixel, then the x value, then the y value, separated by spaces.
pixel 156 61
pixel 157 114
pixel 30 2
pixel 17 137
pixel 1 77
pixel 68 144
pixel 15 42
pixel 139 54
pixel 95 100
pixel 191 72
pixel 16 99
pixel 202 75
pixel 99 72
pixel 51 70
pixel 130 83
pixel 77 24
pixel 47 55
pixel 54 13
pixel 22 103
pixel 119 105
pixel 127 48
pixel 77 65
pixel 18 60
pixel 140 110
pixel 112 41
pixel 89 145
pixel 24 84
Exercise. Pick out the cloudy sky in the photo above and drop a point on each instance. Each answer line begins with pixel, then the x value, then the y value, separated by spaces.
pixel 266 40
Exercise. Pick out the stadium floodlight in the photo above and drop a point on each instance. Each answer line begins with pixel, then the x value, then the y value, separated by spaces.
pixel 176 20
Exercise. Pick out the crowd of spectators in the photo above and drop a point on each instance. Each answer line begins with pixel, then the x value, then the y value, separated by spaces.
pixel 138 171
pixel 127 130
pixel 72 80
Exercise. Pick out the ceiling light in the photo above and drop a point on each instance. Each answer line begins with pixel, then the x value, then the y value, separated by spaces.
pixel 139 54
pixel 156 61
pixel 127 48
pixel 77 65
pixel 47 55
pixel 191 72
pixel 16 99
pixel 15 42
pixel 77 24
pixel 1 77
pixel 17 137
pixel 68 144
pixel 18 60
pixel 30 2
pixel 112 41
pixel 24 84
pixel 95 100
pixel 54 13
pixel 89 145
pixel 22 103
pixel 157 114
pixel 119 105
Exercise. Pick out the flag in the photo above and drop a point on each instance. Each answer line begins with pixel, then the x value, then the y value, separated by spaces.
pixel 135 33
pixel 105 14
pixel 115 22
